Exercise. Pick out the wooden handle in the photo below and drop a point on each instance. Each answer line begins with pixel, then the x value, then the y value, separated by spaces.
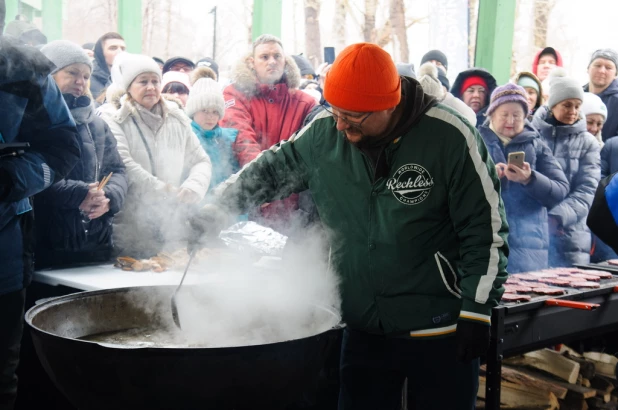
pixel 571 304
pixel 104 181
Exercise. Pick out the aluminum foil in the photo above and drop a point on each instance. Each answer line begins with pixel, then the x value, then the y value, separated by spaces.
pixel 248 236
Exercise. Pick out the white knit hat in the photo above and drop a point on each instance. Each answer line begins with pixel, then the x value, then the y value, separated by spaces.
pixel 133 65
pixel 593 105
pixel 205 93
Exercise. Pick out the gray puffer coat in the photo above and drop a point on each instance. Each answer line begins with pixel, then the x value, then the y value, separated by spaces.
pixel 579 155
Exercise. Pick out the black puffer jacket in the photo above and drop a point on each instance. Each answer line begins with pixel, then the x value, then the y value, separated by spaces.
pixel 63 238
pixel 491 83
pixel 100 78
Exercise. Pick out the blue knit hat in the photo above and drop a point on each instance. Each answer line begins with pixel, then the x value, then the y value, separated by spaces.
pixel 505 94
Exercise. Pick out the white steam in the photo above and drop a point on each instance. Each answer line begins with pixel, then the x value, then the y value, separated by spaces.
pixel 249 305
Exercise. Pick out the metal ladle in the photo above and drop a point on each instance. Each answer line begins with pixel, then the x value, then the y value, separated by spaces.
pixel 174 305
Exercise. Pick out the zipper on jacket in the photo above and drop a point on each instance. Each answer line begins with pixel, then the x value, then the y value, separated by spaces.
pixel 96 158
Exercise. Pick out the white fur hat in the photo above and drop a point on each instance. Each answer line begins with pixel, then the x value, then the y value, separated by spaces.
pixel 205 93
pixel 133 65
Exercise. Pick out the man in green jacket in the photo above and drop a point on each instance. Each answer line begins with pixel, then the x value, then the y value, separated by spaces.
pixel 417 230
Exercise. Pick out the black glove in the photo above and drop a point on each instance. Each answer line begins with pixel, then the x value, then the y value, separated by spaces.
pixel 472 340
pixel 207 223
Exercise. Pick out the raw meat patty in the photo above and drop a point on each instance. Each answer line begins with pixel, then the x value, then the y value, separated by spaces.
pixel 546 290
pixel 526 276
pixel 517 289
pixel 544 274
pixel 592 278
pixel 585 285
pixel 512 297
pixel 600 273
pixel 562 281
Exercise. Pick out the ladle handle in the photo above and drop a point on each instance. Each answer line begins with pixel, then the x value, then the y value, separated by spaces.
pixel 191 255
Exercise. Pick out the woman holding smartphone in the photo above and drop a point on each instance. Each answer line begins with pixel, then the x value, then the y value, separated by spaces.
pixel 531 178
pixel 578 152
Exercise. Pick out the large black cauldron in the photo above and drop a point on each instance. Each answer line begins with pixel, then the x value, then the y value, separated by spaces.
pixel 101 376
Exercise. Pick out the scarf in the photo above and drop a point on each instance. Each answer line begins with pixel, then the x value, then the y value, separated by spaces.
pixel 153 118
pixel 82 108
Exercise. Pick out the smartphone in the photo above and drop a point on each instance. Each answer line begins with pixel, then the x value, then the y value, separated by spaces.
pixel 13 149
pixel 329 55
pixel 517 158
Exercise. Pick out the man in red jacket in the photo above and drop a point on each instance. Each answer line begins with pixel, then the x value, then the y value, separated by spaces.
pixel 265 105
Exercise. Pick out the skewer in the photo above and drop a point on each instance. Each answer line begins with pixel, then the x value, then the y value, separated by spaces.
pixel 104 181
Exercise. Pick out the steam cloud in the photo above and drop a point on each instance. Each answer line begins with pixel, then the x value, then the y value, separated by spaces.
pixel 249 305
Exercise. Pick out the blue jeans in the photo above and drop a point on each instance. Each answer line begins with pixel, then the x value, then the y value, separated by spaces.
pixel 373 369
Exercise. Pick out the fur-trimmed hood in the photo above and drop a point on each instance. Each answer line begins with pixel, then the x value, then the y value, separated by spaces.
pixel 245 80
pixel 171 106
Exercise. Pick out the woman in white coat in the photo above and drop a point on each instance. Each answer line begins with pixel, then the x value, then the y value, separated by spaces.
pixel 166 166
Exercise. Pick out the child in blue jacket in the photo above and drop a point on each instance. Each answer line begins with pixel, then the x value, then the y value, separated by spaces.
pixel 206 107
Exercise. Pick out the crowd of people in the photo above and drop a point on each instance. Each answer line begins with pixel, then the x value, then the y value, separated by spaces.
pixel 168 138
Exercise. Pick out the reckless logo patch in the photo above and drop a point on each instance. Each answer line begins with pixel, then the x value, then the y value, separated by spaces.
pixel 411 184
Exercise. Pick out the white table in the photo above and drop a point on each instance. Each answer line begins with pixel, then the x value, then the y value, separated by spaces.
pixel 96 277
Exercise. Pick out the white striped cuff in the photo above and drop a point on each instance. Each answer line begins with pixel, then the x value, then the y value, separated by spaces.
pixel 438 331
pixel 475 316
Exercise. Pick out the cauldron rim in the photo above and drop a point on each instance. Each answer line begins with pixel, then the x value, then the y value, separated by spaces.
pixel 36 309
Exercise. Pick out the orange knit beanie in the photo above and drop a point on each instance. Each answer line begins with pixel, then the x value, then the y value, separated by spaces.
pixel 363 78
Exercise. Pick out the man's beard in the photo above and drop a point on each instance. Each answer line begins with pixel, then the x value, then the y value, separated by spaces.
pixel 360 140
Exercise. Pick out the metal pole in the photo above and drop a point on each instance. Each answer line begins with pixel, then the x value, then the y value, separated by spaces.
pixel 214 33
pixel 266 18
pixel 494 37
pixel 130 24
pixel 52 19
pixel 12 10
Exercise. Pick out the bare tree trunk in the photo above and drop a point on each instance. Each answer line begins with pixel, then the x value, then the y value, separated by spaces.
pixel 514 55
pixel 398 19
pixel 369 27
pixel 473 18
pixel 542 10
pixel 146 23
pixel 313 44
pixel 152 22
pixel 294 31
pixel 385 35
pixel 250 25
pixel 111 13
pixel 169 28
pixel 339 25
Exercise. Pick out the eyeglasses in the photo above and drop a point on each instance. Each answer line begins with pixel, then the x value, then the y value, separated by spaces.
pixel 353 124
